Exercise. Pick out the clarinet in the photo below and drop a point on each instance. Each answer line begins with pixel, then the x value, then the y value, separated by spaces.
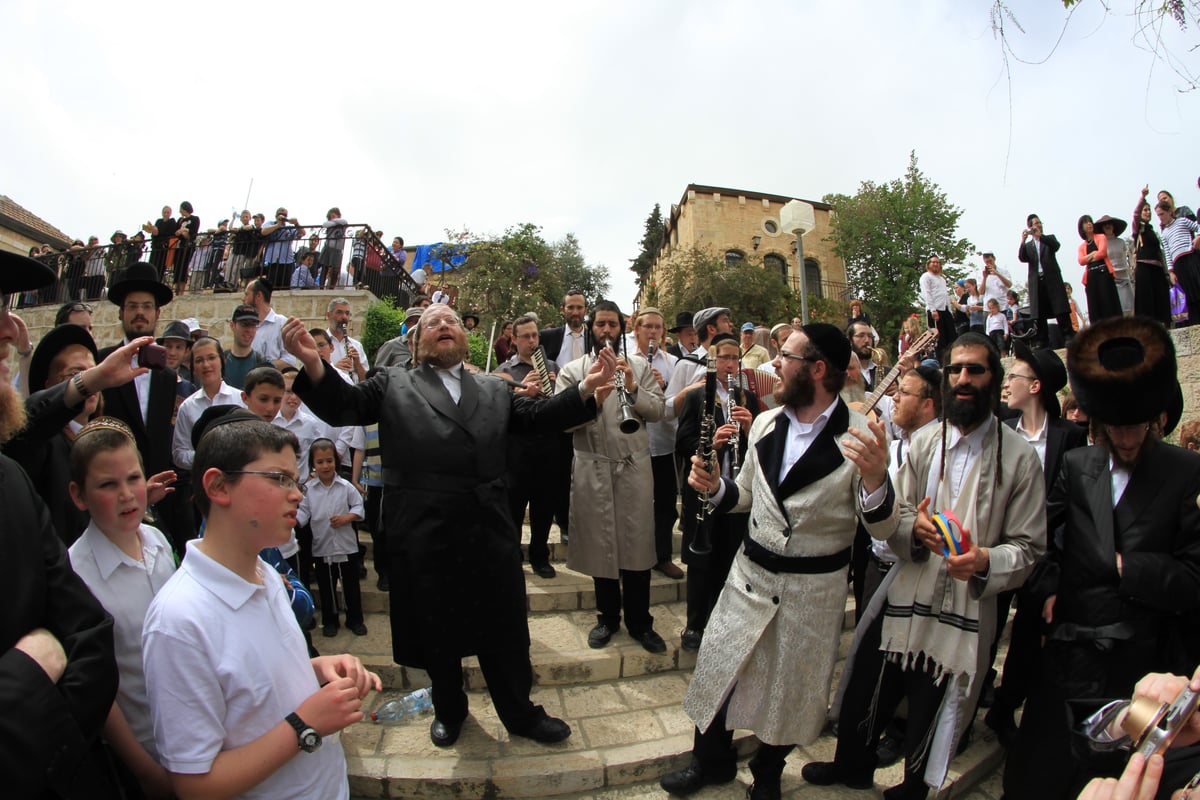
pixel 627 420
pixel 539 364
pixel 735 459
pixel 702 541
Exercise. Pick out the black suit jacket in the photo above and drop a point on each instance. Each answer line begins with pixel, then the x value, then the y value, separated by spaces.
pixel 153 435
pixel 1061 436
pixel 1033 252
pixel 551 340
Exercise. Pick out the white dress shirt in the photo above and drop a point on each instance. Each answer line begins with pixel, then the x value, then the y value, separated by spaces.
pixel 322 502
pixel 182 452
pixel 1036 438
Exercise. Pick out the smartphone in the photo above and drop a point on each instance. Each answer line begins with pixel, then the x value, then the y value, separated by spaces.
pixel 153 356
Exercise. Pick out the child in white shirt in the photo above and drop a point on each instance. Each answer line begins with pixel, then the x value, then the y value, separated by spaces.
pixel 997 325
pixel 332 504
pixel 124 563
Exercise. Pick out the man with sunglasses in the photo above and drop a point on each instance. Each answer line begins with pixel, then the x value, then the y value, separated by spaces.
pixel 457 586
pixel 813 468
pixel 1125 586
pixel 929 643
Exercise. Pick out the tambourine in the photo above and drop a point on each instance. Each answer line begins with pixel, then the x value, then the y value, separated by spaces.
pixel 949 530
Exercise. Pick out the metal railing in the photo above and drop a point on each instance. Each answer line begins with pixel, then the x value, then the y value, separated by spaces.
pixel 222 261
pixel 829 289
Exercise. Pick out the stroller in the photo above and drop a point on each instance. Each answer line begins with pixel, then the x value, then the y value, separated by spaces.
pixel 1023 328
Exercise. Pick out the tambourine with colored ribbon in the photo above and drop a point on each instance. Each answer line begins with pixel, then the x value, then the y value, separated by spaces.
pixel 949 530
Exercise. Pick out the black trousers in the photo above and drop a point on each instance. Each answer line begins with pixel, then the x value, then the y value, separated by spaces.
pixel 947 332
pixel 881 684
pixel 636 600
pixel 860 564
pixel 1022 663
pixel 713 748
pixel 373 517
pixel 666 494
pixel 1152 292
pixel 561 478
pixel 328 576
pixel 706 574
pixel 538 493
pixel 509 677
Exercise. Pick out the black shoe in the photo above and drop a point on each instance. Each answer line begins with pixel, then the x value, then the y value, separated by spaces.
pixel 548 730
pixel 358 630
pixel 693 778
pixel 651 641
pixel 600 636
pixel 1001 721
pixel 889 751
pixel 690 639
pixel 543 570
pixel 826 773
pixel 383 584
pixel 444 734
pixel 329 631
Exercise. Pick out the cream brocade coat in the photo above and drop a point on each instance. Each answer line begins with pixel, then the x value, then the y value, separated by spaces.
pixel 773 637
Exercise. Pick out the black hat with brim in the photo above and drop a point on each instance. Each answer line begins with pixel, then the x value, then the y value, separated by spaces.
pixel 19 273
pixel 51 345
pixel 139 277
pixel 682 320
pixel 1050 372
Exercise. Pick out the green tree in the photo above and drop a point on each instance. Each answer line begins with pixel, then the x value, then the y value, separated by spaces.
pixel 651 244
pixel 886 232
pixel 699 278
pixel 574 273
pixel 383 322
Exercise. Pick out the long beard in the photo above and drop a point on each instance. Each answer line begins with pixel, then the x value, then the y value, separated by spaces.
pixel 798 392
pixel 966 413
pixel 428 352
pixel 12 413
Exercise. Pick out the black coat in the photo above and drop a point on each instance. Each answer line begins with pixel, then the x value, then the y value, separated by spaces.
pixel 457 583
pixel 551 340
pixel 155 434
pixel 46 729
pixel 1061 435
pixel 1056 294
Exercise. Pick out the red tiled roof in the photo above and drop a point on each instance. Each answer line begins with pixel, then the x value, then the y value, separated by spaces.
pixel 35 226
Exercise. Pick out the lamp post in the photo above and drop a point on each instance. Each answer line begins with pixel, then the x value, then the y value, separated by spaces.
pixel 797 216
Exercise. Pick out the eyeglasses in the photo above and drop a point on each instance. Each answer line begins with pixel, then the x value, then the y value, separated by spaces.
pixel 284 480
pixel 74 307
pixel 972 369
pixel 438 322
pixel 1011 375
pixel 796 357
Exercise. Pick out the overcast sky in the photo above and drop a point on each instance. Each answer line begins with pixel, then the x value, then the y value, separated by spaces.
pixel 578 116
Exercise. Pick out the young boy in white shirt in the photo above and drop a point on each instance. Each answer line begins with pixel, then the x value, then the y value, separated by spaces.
pixel 125 563
pixel 332 505
pixel 238 707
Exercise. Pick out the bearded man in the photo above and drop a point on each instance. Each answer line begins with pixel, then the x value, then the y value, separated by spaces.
pixel 457 586
pixel 1127 587
pixel 929 644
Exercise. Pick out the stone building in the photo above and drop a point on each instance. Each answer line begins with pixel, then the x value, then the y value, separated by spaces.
pixel 744 224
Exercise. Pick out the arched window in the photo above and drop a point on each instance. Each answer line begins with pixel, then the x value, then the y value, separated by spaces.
pixel 773 262
pixel 733 257
pixel 812 277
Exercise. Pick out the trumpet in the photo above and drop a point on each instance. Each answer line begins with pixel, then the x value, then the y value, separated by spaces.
pixel 628 421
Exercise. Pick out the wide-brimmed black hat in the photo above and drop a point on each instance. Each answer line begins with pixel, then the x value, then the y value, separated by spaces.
pixel 51 345
pixel 470 315
pixel 18 273
pixel 682 320
pixel 139 277
pixel 1118 225
pixel 1050 372
pixel 1123 370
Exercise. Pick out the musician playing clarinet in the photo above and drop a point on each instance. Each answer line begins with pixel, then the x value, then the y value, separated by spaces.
pixel 812 468
pixel 529 453
pixel 734 410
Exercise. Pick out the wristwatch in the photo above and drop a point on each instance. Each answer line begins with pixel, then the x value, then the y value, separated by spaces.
pixel 307 737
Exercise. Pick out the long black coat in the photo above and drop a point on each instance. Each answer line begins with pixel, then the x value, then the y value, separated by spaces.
pixel 457 584
pixel 47 729
pixel 1056 293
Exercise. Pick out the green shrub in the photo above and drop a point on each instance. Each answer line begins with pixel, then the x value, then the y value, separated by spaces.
pixel 383 322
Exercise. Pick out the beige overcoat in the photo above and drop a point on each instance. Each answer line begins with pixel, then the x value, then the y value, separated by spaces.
pixel 612 486
pixel 772 639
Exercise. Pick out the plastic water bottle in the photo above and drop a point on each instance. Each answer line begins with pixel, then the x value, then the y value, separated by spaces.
pixel 401 708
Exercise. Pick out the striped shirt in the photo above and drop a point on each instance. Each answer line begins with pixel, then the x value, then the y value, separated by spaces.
pixel 1177 237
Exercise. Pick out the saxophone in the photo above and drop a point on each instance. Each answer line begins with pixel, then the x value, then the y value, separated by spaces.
pixel 538 358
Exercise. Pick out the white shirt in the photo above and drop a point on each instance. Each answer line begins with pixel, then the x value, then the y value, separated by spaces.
pixel 1036 438
pixel 182 452
pixel 452 379
pixel 572 346
pixel 685 373
pixel 141 385
pixel 662 433
pixel 934 293
pixel 995 289
pixel 961 454
pixel 897 455
pixel 996 322
pixel 225 663
pixel 319 504
pixel 268 338
pixel 125 587
pixel 307 429
pixel 1120 480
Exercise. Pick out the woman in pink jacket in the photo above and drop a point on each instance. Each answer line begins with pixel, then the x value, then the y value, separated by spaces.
pixel 1102 298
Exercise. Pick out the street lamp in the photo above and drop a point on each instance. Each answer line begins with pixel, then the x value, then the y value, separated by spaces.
pixel 797 216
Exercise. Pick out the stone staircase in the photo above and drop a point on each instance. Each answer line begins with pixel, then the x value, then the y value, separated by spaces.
pixel 623 704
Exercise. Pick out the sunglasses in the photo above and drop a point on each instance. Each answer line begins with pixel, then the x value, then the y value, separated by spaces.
pixel 972 369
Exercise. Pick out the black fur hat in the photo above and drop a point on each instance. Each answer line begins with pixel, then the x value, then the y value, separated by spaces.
pixel 1123 370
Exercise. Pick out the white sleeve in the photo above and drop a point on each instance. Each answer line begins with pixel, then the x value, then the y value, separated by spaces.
pixel 182 453
pixel 187 703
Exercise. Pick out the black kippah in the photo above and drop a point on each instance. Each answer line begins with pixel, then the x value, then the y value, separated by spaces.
pixel 215 416
pixel 831 341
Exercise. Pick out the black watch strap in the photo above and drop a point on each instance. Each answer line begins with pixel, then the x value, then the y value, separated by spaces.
pixel 307 737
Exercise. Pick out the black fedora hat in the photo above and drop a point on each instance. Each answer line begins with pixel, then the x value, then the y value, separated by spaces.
pixel 18 273
pixel 1050 372
pixel 139 277
pixel 1123 370
pixel 51 345
pixel 682 320
pixel 470 315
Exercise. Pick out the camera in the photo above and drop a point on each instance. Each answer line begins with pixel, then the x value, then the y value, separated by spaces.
pixel 1153 726
pixel 153 356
